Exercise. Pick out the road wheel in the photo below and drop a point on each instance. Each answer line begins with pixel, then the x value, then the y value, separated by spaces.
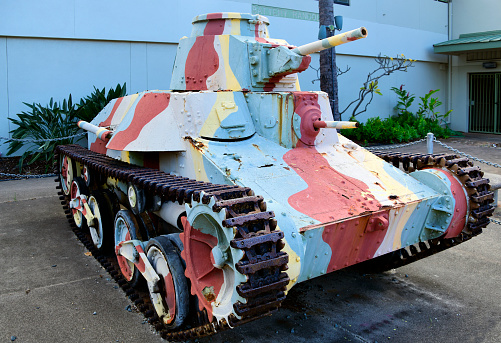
pixel 171 302
pixel 101 230
pixel 126 229
pixel 77 189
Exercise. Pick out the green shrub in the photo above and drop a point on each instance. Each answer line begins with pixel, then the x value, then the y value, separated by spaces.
pixel 37 127
pixel 43 123
pixel 90 106
pixel 405 126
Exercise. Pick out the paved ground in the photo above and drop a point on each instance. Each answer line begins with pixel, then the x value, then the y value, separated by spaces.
pixel 51 291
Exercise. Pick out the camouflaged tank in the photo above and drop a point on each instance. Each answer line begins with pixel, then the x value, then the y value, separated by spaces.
pixel 209 201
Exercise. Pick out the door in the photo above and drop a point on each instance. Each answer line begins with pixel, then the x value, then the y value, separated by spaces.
pixel 485 109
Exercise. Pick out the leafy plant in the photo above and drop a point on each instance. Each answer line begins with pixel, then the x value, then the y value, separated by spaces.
pixel 405 100
pixel 428 107
pixel 405 126
pixel 386 66
pixel 38 126
pixel 90 106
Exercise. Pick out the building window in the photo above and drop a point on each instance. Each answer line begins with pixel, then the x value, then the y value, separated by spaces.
pixel 342 2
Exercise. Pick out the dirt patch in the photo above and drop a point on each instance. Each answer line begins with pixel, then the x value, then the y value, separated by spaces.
pixel 10 165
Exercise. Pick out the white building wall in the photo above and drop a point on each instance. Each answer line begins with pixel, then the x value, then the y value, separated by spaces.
pixel 474 16
pixel 469 17
pixel 55 47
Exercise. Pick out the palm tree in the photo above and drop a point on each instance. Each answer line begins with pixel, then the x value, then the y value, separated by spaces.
pixel 328 68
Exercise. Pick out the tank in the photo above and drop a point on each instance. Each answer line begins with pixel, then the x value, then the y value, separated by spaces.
pixel 209 201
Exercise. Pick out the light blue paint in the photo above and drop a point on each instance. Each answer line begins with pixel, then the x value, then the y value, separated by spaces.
pixel 239 59
pixel 265 109
pixel 317 254
pixel 411 233
pixel 442 210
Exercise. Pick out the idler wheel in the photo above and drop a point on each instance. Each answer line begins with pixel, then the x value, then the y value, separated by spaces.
pixel 126 229
pixel 171 298
pixel 77 189
pixel 101 230
pixel 210 260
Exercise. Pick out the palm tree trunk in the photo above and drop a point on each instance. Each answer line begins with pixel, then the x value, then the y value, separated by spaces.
pixel 328 69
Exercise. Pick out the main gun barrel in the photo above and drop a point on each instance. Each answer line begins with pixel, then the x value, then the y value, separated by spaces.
pixel 101 132
pixel 330 42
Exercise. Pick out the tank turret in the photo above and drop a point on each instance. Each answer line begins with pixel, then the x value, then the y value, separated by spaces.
pixel 232 51
pixel 224 192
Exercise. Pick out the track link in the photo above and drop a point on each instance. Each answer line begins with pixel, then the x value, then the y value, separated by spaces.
pixel 263 262
pixel 480 199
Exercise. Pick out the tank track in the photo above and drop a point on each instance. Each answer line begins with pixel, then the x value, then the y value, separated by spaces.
pixel 480 197
pixel 263 262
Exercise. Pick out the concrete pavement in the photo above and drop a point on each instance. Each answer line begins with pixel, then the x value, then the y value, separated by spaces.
pixel 49 288
pixel 51 291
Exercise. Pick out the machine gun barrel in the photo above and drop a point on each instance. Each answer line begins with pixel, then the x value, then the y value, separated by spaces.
pixel 320 124
pixel 330 42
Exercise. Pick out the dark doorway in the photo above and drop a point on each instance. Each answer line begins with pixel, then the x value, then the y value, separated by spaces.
pixel 485 109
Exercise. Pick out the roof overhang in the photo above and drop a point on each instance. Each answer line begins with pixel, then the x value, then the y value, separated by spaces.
pixel 490 40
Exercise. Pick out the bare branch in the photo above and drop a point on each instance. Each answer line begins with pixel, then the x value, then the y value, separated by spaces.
pixel 341 72
pixel 386 66
pixel 338 72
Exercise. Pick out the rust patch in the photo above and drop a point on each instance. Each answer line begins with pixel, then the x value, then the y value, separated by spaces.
pixel 256 146
pixel 208 293
pixel 393 197
pixel 380 185
pixel 200 146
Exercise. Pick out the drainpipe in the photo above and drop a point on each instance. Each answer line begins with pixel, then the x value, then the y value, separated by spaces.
pixel 449 57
